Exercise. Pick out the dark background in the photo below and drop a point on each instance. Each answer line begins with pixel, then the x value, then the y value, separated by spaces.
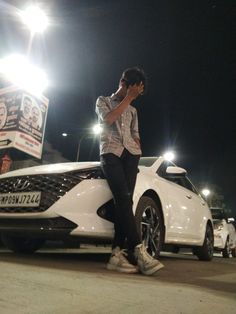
pixel 185 47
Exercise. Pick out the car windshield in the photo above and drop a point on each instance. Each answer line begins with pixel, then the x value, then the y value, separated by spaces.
pixel 147 161
pixel 218 213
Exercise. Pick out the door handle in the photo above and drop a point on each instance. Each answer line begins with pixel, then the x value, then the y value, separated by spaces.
pixel 189 196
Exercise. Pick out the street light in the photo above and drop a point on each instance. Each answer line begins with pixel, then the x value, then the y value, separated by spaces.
pixel 206 192
pixel 35 19
pixel 97 129
pixel 18 70
pixel 169 156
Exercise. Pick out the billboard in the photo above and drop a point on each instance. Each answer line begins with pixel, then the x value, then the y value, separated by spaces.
pixel 22 120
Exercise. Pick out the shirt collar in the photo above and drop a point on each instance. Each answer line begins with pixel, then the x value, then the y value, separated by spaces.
pixel 115 98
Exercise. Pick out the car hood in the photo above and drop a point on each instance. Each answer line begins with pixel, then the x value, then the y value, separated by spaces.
pixel 52 168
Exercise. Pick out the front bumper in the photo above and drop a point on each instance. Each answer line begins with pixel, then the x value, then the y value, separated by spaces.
pixel 43 228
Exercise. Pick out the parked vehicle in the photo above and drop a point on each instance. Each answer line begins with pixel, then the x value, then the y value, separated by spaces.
pixel 60 201
pixel 224 233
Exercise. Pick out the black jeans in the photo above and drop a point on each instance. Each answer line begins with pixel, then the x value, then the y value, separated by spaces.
pixel 121 173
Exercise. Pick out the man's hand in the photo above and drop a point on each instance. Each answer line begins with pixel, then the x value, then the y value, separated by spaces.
pixel 135 90
pixel 132 93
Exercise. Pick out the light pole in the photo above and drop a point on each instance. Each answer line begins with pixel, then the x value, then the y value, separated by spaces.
pixel 16 68
pixel 95 130
pixel 79 143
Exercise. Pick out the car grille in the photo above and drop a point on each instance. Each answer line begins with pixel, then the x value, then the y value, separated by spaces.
pixel 52 187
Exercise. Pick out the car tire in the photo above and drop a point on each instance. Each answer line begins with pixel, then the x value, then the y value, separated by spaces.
pixel 22 244
pixel 226 250
pixel 205 252
pixel 233 251
pixel 150 225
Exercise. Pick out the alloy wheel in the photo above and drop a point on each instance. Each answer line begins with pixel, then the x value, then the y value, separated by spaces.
pixel 151 230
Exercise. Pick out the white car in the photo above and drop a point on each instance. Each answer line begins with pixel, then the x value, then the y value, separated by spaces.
pixel 61 201
pixel 224 233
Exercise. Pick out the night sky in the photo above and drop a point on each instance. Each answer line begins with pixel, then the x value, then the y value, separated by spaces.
pixel 185 47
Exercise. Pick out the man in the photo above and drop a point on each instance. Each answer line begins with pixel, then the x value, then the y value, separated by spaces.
pixel 120 152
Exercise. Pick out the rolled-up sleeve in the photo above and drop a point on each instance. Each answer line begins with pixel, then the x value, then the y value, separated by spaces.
pixel 134 125
pixel 102 108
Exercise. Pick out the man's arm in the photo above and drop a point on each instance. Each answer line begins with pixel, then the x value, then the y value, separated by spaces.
pixel 134 129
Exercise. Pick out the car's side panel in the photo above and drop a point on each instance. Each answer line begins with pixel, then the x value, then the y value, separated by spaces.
pixel 184 223
pixel 220 235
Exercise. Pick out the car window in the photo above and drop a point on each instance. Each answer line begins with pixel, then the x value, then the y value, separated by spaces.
pixel 188 185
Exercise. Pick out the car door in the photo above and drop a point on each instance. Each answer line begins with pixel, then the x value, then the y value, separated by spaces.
pixel 197 208
pixel 181 218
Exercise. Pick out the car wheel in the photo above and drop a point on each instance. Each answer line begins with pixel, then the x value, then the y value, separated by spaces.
pixel 21 244
pixel 205 252
pixel 150 225
pixel 226 250
pixel 233 252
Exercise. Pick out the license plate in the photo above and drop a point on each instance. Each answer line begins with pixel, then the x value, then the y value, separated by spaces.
pixel 22 199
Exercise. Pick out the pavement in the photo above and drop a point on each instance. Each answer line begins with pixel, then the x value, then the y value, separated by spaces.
pixel 71 281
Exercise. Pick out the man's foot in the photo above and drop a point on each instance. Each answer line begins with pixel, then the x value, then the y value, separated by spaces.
pixel 146 263
pixel 119 262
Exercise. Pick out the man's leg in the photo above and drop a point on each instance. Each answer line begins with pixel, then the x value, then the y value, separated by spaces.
pixel 114 173
pixel 125 226
pixel 130 165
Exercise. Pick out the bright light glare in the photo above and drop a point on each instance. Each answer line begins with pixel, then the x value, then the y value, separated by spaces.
pixel 20 72
pixel 206 192
pixel 35 19
pixel 64 134
pixel 170 156
pixel 97 129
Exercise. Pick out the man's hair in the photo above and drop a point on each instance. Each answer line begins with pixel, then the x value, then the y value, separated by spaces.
pixel 133 76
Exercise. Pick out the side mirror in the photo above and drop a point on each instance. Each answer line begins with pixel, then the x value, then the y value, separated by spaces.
pixel 230 220
pixel 175 171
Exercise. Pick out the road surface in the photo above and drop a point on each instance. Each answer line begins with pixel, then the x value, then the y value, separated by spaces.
pixel 72 281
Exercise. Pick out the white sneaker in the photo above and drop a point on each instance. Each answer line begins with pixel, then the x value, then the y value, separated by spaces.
pixel 146 263
pixel 119 262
